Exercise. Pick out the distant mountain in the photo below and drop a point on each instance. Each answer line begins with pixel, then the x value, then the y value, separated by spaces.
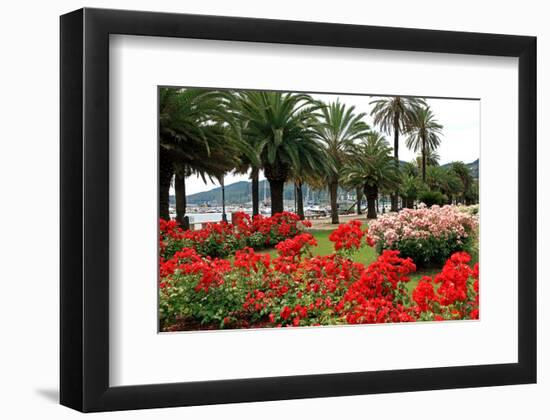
pixel 238 192
pixel 241 192
pixel 474 167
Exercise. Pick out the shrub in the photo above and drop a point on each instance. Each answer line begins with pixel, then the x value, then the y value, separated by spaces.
pixel 452 294
pixel 203 290
pixel 222 239
pixel 379 294
pixel 261 231
pixel 431 198
pixel 213 240
pixel 348 238
pixel 427 235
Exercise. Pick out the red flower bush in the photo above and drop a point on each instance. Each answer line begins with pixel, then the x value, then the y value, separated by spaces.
pixel 248 260
pixel 222 239
pixel 424 294
pixel 347 236
pixel 194 286
pixel 294 247
pixel 378 294
pixel 452 294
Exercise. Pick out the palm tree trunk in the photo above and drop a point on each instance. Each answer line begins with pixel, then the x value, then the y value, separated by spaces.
pixel 166 171
pixel 359 194
pixel 276 174
pixel 299 200
pixel 224 215
pixel 277 188
pixel 333 190
pixel 255 191
pixel 423 159
pixel 395 195
pixel 371 192
pixel 181 201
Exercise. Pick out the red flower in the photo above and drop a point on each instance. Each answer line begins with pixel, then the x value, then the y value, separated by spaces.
pixel 285 313
pixel 424 294
pixel 296 246
pixel 347 236
pixel 458 291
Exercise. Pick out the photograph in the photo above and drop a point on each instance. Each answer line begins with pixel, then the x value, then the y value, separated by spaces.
pixel 294 209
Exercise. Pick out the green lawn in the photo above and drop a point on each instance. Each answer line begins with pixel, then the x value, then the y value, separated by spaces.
pixel 366 256
pixel 324 247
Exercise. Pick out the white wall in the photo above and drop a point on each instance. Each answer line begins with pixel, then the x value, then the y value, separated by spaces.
pixel 29 206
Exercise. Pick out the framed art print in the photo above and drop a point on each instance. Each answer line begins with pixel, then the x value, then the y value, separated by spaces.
pixel 257 209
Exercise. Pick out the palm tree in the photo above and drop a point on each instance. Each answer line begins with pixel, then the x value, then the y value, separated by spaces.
pixel 250 156
pixel 424 135
pixel 372 166
pixel 410 169
pixel 353 184
pixel 359 197
pixel 340 127
pixel 246 166
pixel 432 159
pixel 409 189
pixel 192 139
pixel 472 195
pixel 443 180
pixel 282 124
pixel 395 114
pixel 463 172
pixel 255 180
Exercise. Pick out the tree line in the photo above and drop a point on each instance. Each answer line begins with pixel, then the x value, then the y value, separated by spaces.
pixel 293 137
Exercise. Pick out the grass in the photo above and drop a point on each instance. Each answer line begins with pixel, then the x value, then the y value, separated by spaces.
pixel 366 256
pixel 324 247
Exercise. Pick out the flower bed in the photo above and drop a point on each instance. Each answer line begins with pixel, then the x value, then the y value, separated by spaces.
pixel 222 239
pixel 298 289
pixel 427 235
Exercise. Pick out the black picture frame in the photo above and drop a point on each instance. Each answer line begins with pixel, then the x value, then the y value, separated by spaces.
pixel 84 297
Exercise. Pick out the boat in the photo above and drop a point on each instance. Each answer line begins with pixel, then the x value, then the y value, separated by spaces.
pixel 315 210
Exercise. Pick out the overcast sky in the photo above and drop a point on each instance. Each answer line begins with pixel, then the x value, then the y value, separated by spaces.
pixel 460 139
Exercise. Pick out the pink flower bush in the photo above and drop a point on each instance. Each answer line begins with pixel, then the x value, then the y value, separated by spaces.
pixel 427 235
